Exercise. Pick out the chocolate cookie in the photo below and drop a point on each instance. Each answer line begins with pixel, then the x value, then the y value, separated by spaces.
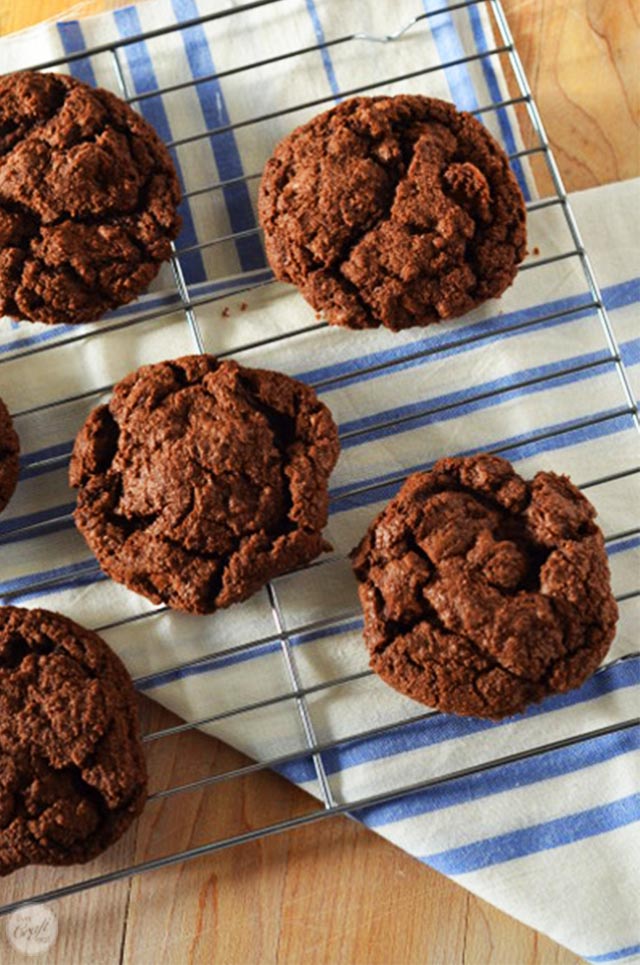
pixel 88 198
pixel 482 592
pixel 72 773
pixel 393 211
pixel 9 452
pixel 202 480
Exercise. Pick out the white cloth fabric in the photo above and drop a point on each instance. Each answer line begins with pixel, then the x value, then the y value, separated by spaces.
pixel 552 839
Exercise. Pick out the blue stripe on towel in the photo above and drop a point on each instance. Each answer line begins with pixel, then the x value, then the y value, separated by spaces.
pixel 439 729
pixel 51 516
pixel 507 777
pixel 225 149
pixel 73 42
pixel 616 296
pixel 459 339
pixel 351 753
pixel 32 472
pixel 630 351
pixel 220 662
pixel 450 48
pixel 76 583
pixel 615 956
pixel 624 546
pixel 144 81
pixel 623 294
pixel 53 332
pixel 446 345
pixel 561 435
pixel 327 63
pixel 25 582
pixel 619 296
pixel 539 837
pixel 462 407
pixel 497 95
pixel 507 386
pixel 48 452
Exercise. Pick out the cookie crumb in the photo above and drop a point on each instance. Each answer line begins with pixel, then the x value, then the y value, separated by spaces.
pixel 226 312
pixel 243 306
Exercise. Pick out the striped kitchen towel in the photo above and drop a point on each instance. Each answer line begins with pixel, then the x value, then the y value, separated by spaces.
pixel 550 837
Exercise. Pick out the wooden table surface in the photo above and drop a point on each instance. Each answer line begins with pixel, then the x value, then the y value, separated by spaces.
pixel 334 892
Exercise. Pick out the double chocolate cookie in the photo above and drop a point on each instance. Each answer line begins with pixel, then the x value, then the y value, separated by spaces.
pixel 393 211
pixel 9 456
pixel 88 199
pixel 72 773
pixel 202 480
pixel 482 592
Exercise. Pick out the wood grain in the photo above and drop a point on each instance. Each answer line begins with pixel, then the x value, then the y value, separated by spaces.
pixel 334 892
pixel 582 58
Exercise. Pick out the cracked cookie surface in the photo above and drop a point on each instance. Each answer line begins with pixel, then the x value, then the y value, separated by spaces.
pixel 202 480
pixel 395 211
pixel 9 456
pixel 88 199
pixel 482 592
pixel 72 772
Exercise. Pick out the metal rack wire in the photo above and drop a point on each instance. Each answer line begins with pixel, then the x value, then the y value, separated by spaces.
pixel 298 692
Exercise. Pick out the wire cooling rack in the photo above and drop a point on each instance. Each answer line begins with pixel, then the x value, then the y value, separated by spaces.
pixel 298 692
